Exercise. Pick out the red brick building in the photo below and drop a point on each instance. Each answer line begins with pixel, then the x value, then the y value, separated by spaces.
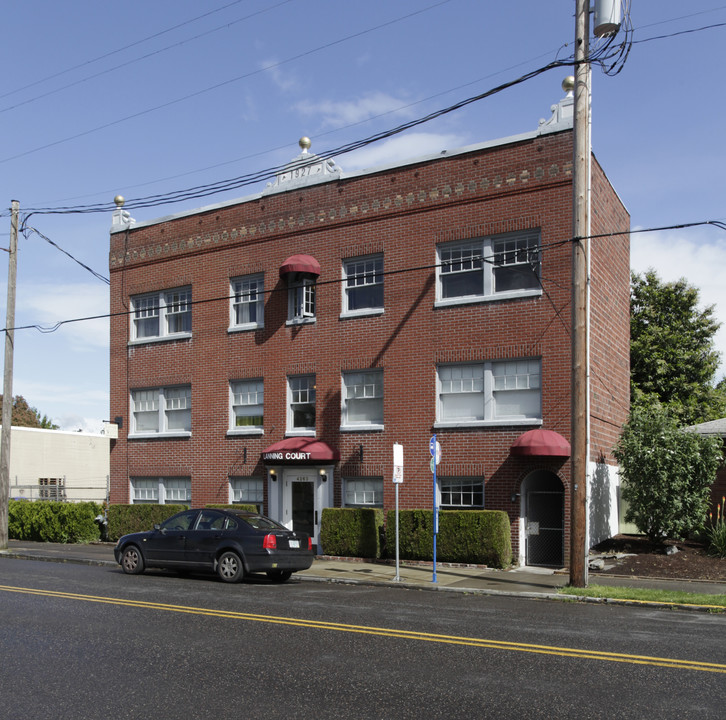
pixel 273 349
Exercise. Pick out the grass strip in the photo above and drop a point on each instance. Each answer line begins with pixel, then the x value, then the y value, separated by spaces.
pixel 647 595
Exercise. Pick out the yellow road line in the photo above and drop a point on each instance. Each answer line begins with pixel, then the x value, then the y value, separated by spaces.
pixel 384 632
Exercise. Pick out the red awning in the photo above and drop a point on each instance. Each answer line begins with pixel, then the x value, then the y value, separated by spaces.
pixel 299 450
pixel 541 443
pixel 300 264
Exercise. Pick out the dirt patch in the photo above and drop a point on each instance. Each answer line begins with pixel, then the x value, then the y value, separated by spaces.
pixel 691 561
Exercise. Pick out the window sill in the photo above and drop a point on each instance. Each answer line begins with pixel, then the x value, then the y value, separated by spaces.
pixel 474 299
pixel 300 321
pixel 160 436
pixel 300 433
pixel 165 338
pixel 372 427
pixel 367 312
pixel 453 424
pixel 249 327
pixel 245 431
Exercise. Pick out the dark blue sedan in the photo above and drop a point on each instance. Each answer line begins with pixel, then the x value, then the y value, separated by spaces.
pixel 231 543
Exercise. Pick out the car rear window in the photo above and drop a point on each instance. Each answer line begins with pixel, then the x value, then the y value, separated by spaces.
pixel 261 523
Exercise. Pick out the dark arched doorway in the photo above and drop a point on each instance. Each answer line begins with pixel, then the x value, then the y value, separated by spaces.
pixel 544 511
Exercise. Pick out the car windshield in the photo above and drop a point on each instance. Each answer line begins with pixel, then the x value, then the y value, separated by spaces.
pixel 260 522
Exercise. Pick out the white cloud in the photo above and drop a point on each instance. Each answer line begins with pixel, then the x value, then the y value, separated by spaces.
pixel 699 256
pixel 399 149
pixel 348 112
pixel 283 82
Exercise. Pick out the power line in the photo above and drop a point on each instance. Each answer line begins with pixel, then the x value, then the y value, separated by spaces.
pixel 542 248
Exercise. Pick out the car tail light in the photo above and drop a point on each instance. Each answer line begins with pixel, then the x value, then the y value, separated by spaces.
pixel 270 542
pixel 310 543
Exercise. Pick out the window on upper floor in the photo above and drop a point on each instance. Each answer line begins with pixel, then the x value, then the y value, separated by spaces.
pixel 301 300
pixel 161 315
pixel 301 404
pixel 488 268
pixel 363 285
pixel 247 399
pixel 362 400
pixel 161 411
pixel 489 392
pixel 247 302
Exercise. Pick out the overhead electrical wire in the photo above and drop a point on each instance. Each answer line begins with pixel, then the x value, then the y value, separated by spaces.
pixel 337 281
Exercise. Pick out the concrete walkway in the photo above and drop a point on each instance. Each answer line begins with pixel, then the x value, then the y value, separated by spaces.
pixel 526 582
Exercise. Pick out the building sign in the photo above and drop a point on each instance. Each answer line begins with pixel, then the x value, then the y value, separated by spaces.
pixel 296 455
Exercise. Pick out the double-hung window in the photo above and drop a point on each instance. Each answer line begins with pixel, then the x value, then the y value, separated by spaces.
pixel 489 268
pixel 462 492
pixel 161 490
pixel 301 404
pixel 301 300
pixel 162 315
pixel 363 492
pixel 490 393
pixel 247 310
pixel 363 285
pixel 247 491
pixel 248 402
pixel 362 406
pixel 161 411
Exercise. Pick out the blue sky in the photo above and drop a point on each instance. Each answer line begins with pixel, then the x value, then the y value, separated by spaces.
pixel 153 96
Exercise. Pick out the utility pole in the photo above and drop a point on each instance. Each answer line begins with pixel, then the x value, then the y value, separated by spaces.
pixel 7 412
pixel 580 275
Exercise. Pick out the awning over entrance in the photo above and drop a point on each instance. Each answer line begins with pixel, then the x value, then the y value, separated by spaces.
pixel 300 450
pixel 300 264
pixel 541 443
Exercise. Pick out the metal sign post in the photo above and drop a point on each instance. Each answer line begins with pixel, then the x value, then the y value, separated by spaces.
pixel 397 480
pixel 435 450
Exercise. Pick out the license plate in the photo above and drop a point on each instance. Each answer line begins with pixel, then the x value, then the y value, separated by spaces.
pixel 294 543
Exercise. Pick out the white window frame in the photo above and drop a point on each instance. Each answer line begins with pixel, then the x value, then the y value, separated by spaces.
pixel 168 307
pixel 363 492
pixel 481 258
pixel 301 301
pixel 300 391
pixel 488 384
pixel 247 295
pixel 168 404
pixel 365 272
pixel 365 386
pixel 160 490
pixel 247 491
pixel 463 486
pixel 246 399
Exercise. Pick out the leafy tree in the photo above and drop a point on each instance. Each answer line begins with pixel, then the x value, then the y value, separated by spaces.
pixel 26 416
pixel 667 473
pixel 672 354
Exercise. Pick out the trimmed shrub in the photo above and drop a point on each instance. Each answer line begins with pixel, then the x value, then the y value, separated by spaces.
pixel 125 519
pixel 60 522
pixel 352 532
pixel 480 537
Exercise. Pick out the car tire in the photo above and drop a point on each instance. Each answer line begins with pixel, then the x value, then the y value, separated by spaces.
pixel 229 567
pixel 279 576
pixel 132 561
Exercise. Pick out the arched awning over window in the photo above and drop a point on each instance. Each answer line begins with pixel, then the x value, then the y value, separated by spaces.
pixel 541 443
pixel 300 450
pixel 306 264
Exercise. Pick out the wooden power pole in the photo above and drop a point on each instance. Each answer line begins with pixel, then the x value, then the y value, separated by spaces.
pixel 580 276
pixel 7 411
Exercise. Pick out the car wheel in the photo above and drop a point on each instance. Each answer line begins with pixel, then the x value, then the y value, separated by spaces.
pixel 229 567
pixel 279 576
pixel 132 561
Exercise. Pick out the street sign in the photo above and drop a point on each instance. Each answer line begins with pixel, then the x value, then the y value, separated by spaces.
pixel 397 463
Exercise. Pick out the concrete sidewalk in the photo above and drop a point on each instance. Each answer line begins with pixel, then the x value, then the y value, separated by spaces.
pixel 524 582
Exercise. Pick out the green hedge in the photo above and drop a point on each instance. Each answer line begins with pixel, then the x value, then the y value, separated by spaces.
pixel 481 537
pixel 125 519
pixel 60 522
pixel 352 532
